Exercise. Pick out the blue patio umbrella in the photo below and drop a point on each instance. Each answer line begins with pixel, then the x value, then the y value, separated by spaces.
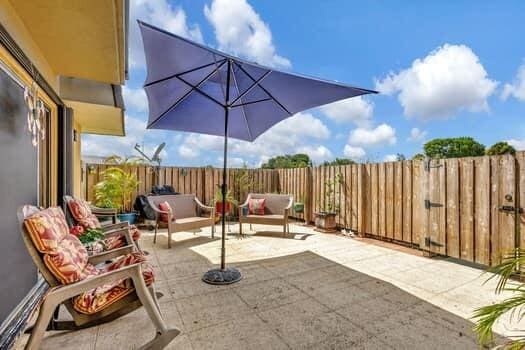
pixel 194 88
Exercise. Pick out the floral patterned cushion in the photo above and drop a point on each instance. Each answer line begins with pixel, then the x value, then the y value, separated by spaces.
pixel 101 297
pixel 256 206
pixel 81 212
pixel 47 228
pixel 69 263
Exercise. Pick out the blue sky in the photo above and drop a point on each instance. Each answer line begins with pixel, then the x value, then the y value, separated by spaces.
pixel 448 68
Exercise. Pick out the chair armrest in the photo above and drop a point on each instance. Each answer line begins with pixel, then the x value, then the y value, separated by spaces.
pixel 120 232
pixel 199 203
pixel 103 211
pixel 290 203
pixel 111 227
pixel 245 202
pixel 63 292
pixel 207 207
pixel 112 254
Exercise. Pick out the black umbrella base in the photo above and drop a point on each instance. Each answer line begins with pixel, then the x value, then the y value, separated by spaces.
pixel 219 276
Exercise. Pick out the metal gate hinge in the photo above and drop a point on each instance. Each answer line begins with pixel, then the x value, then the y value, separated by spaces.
pixel 429 242
pixel 429 204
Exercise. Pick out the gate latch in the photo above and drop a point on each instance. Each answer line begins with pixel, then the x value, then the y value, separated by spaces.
pixel 510 209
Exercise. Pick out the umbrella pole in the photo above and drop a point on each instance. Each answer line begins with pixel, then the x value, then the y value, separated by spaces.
pixel 224 275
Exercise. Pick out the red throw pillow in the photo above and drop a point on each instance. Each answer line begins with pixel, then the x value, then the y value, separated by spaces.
pixel 165 206
pixel 256 206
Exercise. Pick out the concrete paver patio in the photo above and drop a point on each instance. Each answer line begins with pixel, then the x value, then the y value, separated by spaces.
pixel 307 290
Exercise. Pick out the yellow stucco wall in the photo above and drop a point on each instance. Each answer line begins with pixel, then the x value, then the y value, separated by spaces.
pixel 16 28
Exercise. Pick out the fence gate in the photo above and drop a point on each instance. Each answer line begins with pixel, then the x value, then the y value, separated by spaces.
pixel 470 207
pixel 433 238
pixel 505 208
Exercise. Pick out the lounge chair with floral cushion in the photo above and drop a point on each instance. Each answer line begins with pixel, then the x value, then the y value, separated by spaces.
pixel 79 212
pixel 92 292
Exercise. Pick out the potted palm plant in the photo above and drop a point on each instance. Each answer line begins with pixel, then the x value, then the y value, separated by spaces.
pixel 117 187
pixel 325 219
pixel 227 202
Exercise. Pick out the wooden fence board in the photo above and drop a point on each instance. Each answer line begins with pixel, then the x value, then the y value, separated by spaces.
pixel 382 201
pixel 407 201
pixel 482 210
pixel 398 201
pixel 389 200
pixel 374 184
pixel 467 208
pixel 419 214
pixel 452 207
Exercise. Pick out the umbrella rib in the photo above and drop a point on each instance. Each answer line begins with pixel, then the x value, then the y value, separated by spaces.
pixel 182 73
pixel 254 84
pixel 266 91
pixel 252 102
pixel 197 89
pixel 193 88
pixel 243 111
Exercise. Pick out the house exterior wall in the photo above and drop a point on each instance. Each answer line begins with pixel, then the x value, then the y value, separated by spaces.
pixel 17 29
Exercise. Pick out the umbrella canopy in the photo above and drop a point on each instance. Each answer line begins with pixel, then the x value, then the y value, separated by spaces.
pixel 194 88
pixel 186 88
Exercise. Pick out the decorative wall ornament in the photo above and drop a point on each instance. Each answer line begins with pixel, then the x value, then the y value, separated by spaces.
pixel 36 114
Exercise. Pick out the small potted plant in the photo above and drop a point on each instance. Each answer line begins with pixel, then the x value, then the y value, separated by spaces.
pixel 90 238
pixel 117 187
pixel 219 202
pixel 325 219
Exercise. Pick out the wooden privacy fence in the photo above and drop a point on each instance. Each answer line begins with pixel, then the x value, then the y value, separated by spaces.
pixel 201 181
pixel 467 208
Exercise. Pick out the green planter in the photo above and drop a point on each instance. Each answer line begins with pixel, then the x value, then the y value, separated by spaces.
pixel 298 207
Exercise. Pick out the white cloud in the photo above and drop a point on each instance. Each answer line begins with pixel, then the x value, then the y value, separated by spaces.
pixel 382 134
pixel 187 152
pixel 517 88
pixel 390 158
pixel 288 137
pixel 353 152
pixel 417 135
pixel 162 14
pixel 448 80
pixel 193 144
pixel 108 145
pixel 317 154
pixel 100 145
pixel 517 144
pixel 135 99
pixel 356 109
pixel 241 31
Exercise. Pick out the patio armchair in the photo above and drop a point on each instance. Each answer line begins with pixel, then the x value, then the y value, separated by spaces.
pixel 184 214
pixel 79 212
pixel 276 210
pixel 92 292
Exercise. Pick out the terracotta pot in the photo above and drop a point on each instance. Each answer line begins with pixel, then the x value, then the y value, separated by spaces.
pixel 218 208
